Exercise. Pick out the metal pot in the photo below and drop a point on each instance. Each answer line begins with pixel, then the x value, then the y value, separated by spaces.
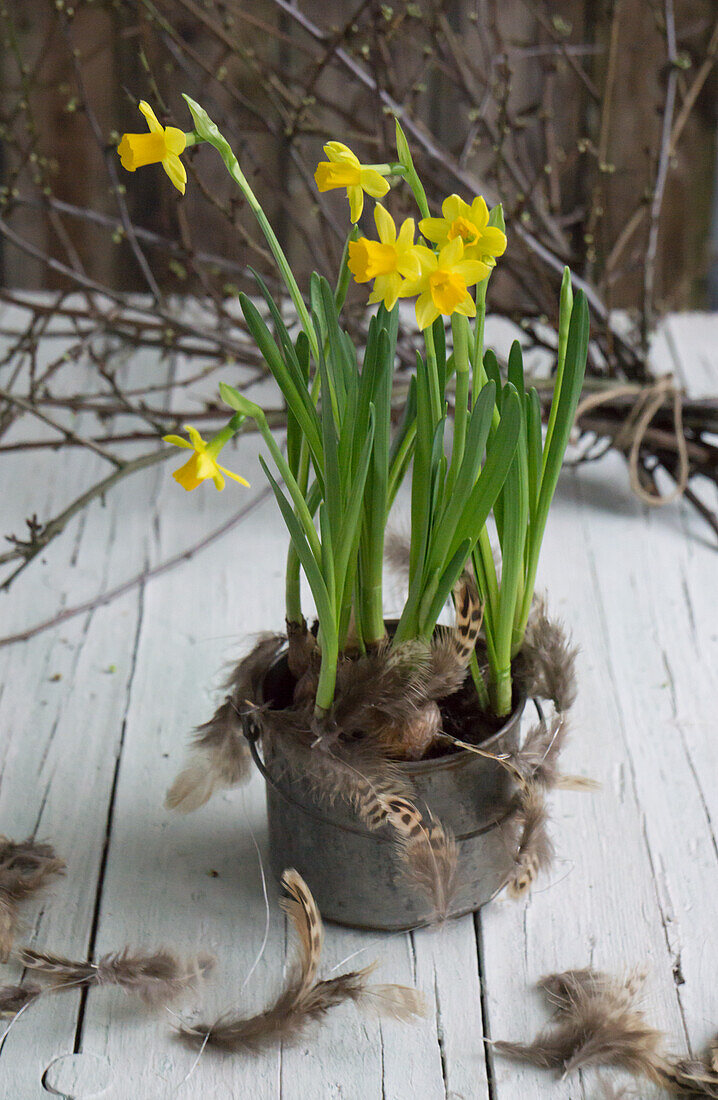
pixel 356 875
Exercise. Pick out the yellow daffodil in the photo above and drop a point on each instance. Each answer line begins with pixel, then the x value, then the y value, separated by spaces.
pixel 385 260
pixel 162 145
pixel 443 284
pixel 203 463
pixel 343 169
pixel 471 223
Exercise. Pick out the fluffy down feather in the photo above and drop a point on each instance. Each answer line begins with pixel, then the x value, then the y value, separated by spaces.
pixel 25 867
pixel 220 756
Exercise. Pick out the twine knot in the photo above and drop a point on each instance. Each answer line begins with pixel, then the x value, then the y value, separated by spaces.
pixel 631 435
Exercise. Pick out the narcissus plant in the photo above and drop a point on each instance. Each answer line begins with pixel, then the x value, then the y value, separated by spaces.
pixel 344 461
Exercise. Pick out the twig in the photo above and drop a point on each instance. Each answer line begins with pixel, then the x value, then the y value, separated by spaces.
pixel 139 578
pixel 661 175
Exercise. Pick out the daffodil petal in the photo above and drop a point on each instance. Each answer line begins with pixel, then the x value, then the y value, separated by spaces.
pixel 196 439
pixel 466 307
pixel 393 287
pixel 406 233
pixel 454 207
pixel 218 479
pixel 426 311
pixel 493 241
pixel 384 224
pixel 373 183
pixel 330 175
pixel 152 121
pixel 451 253
pixel 409 265
pixel 337 151
pixel 471 271
pixel 138 150
pixel 176 171
pixel 186 476
pixel 434 229
pixel 175 140
pixel 206 465
pixel 177 440
pixel 427 257
pixel 235 477
pixel 410 287
pixel 479 213
pixel 356 202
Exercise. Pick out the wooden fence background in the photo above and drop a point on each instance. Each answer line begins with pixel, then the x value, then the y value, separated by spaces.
pixel 120 57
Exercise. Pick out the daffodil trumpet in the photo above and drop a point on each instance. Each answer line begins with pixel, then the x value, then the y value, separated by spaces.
pixel 345 458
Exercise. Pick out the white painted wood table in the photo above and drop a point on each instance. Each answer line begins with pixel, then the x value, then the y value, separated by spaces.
pixel 94 722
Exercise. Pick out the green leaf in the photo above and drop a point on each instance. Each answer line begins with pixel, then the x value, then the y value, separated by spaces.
pixel 309 563
pixel 333 495
pixel 516 368
pixel 353 509
pixel 476 438
pixel 282 335
pixel 439 334
pixel 566 399
pixel 493 371
pixel 499 456
pixel 445 587
pixel 533 444
pixel 292 386
pixel 341 365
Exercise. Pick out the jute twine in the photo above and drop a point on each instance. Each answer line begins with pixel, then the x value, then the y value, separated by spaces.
pixel 632 433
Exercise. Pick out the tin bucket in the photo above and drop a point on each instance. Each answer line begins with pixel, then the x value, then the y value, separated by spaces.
pixel 356 875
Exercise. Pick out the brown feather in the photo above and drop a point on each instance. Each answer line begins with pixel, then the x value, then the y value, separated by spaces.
pixel 25 867
pixel 220 757
pixel 547 665
pixel 597 1023
pixel 155 977
pixel 303 999
pixel 429 856
pixel 302 910
pixel 538 758
pixel 535 848
pixel 301 648
pixel 693 1077
pixel 609 1091
pixel 13 998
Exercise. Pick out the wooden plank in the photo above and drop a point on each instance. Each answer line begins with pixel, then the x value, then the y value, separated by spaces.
pixel 637 860
pixel 598 906
pixel 61 715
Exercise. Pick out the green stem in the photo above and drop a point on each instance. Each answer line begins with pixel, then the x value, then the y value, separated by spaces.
pixel 292 582
pixel 327 676
pixel 206 130
pixel 479 683
pixel 460 329
pixel 435 396
pixel 342 286
pixel 478 373
pixel 500 691
pixel 292 587
pixel 564 321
